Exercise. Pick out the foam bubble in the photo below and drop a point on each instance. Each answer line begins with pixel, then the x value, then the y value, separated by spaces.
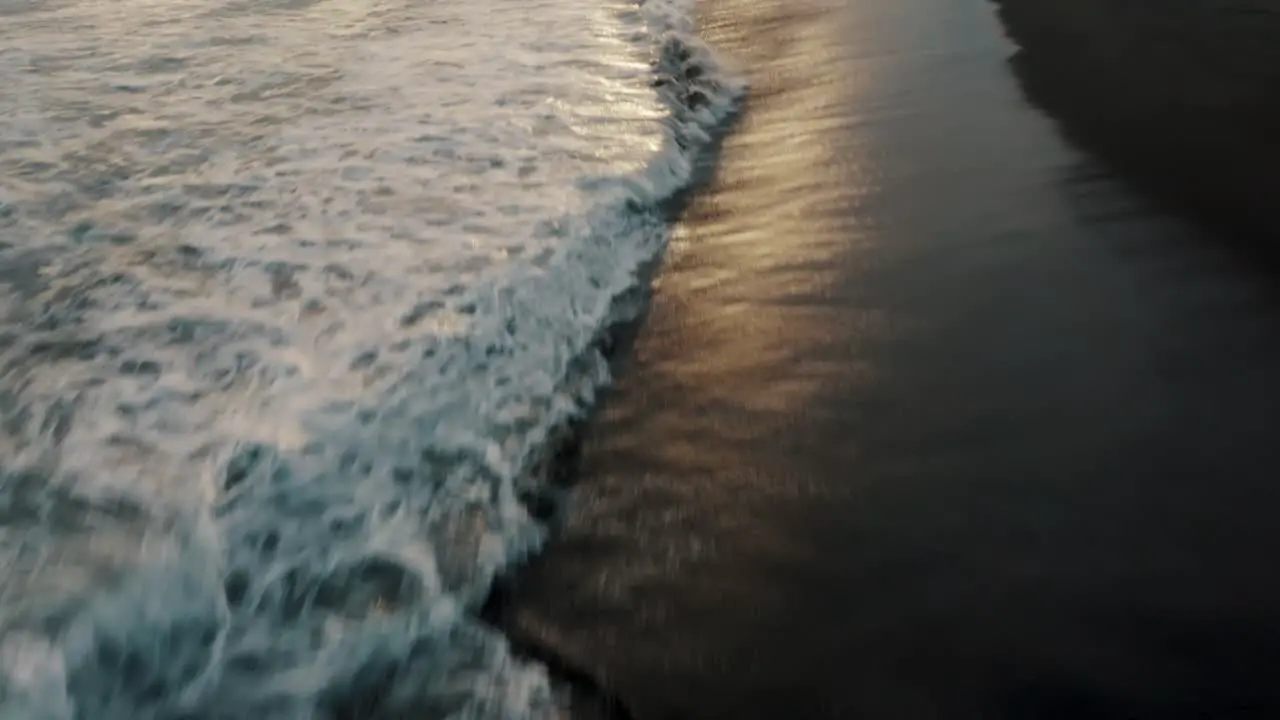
pixel 312 309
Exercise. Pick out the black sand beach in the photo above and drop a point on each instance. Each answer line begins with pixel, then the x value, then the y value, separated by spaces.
pixel 1183 95
pixel 933 415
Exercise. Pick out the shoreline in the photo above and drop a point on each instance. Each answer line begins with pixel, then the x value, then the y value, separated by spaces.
pixel 588 695
pixel 888 441
pixel 1181 97
pixel 600 691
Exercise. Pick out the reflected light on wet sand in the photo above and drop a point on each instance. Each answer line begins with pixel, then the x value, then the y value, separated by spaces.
pixel 744 333
pixel 749 275
pixel 912 431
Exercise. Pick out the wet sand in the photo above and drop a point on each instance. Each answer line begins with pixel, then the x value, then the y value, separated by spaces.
pixel 932 417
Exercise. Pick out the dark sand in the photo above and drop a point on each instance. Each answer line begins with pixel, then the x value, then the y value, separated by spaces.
pixel 1184 95
pixel 931 418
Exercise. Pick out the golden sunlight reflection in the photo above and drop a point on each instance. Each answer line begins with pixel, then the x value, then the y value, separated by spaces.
pixel 621 108
pixel 750 268
pixel 756 314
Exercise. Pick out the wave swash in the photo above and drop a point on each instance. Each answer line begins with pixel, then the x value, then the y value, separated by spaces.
pixel 296 299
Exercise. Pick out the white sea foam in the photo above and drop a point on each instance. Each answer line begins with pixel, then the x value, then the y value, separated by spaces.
pixel 294 294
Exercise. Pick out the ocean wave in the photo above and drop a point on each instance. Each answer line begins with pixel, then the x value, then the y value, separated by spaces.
pixel 329 555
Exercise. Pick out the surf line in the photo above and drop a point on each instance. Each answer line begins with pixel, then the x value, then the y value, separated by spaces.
pixel 705 103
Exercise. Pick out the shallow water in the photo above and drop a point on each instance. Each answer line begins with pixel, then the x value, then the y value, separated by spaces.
pixel 933 415
pixel 295 298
